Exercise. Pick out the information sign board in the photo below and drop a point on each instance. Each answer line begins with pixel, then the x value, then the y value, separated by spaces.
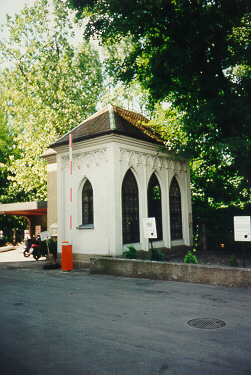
pixel 242 228
pixel 37 230
pixel 149 225
pixel 45 236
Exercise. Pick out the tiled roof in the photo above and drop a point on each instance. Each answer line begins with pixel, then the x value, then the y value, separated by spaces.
pixel 109 120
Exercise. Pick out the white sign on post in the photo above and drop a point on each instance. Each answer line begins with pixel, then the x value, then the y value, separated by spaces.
pixel 45 236
pixel 242 226
pixel 149 225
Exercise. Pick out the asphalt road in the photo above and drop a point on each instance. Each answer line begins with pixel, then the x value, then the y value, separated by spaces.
pixel 53 322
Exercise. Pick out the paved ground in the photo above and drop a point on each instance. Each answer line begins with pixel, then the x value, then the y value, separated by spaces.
pixel 54 322
pixel 7 254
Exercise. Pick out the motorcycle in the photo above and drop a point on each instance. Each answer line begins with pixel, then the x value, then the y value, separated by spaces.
pixel 27 249
pixel 32 248
pixel 35 250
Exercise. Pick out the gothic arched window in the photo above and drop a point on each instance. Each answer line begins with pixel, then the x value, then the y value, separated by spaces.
pixel 175 210
pixel 87 203
pixel 154 204
pixel 130 209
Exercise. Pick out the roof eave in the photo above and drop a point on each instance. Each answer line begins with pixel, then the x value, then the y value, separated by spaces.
pixel 91 136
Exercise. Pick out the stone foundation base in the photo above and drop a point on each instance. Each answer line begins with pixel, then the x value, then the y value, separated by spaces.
pixel 190 273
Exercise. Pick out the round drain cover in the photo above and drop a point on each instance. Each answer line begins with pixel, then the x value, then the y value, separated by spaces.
pixel 206 323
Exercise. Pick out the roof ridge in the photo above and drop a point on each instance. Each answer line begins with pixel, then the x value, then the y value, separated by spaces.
pixel 111 117
pixel 128 111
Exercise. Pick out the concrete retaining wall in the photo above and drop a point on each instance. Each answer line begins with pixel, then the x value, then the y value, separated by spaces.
pixel 191 273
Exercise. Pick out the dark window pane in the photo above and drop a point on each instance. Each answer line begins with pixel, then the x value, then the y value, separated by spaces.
pixel 87 203
pixel 154 204
pixel 130 209
pixel 175 210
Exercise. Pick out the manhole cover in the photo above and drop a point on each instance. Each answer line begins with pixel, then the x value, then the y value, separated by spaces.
pixel 206 323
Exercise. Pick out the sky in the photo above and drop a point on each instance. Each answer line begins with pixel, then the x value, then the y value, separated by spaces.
pixel 11 7
pixel 15 6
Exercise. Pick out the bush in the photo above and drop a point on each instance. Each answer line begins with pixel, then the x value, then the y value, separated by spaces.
pixel 131 253
pixel 157 255
pixel 53 247
pixel 233 262
pixel 190 258
pixel 52 244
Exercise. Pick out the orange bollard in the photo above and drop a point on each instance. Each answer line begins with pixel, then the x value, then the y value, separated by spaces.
pixel 67 259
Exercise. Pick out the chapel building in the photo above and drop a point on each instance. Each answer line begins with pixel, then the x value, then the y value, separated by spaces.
pixel 121 173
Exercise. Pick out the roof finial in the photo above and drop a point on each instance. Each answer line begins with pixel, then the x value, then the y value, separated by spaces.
pixel 111 117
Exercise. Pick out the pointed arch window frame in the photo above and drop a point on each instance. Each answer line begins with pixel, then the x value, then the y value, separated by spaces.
pixel 131 210
pixel 158 210
pixel 175 208
pixel 86 192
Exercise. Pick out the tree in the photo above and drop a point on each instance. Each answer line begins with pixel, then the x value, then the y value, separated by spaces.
pixel 130 95
pixel 219 190
pixel 196 56
pixel 6 146
pixel 195 53
pixel 47 88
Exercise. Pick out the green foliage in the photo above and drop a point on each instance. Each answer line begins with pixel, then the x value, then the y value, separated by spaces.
pixel 131 95
pixel 10 223
pixel 197 59
pixel 48 87
pixel 233 262
pixel 131 253
pixel 168 122
pixel 156 255
pixel 52 244
pixel 190 258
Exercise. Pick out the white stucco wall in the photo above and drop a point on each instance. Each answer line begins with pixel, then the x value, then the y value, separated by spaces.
pixel 104 162
pixel 51 192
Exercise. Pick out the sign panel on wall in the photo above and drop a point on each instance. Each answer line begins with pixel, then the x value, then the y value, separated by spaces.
pixel 37 230
pixel 149 225
pixel 242 228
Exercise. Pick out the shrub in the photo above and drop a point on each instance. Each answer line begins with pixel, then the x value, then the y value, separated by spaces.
pixel 156 255
pixel 190 258
pixel 233 262
pixel 131 253
pixel 52 244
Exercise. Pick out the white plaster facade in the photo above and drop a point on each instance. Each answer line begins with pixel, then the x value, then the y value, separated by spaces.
pixel 104 161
